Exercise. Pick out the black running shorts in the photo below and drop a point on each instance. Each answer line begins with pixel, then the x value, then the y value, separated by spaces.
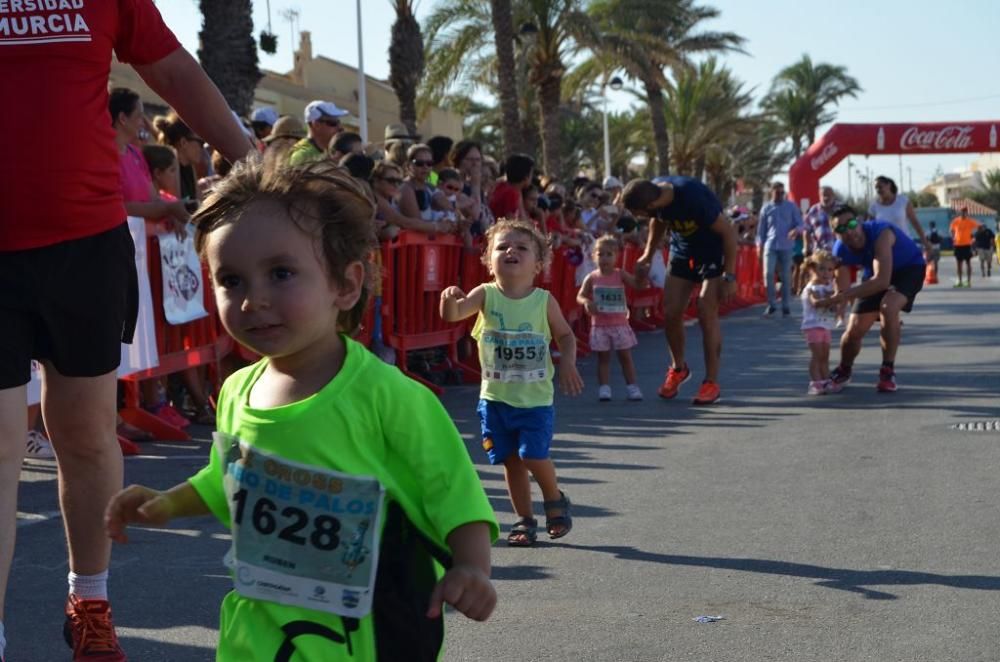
pixel 72 303
pixel 907 281
pixel 696 270
pixel 963 253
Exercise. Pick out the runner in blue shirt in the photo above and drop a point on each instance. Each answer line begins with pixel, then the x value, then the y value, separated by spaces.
pixel 893 274
pixel 702 253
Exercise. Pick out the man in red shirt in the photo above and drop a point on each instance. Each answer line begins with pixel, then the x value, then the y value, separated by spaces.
pixel 67 269
pixel 506 201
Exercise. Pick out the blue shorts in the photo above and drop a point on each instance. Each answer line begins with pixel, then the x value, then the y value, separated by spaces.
pixel 506 429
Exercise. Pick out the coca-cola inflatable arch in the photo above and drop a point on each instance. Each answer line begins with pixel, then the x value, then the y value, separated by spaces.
pixel 842 140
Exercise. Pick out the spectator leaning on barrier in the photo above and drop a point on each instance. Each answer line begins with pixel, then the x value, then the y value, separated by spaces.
pixel 323 120
pixel 262 120
pixel 71 221
pixel 780 224
pixel 415 194
pixel 441 155
pixel 398 140
pixel 386 181
pixel 171 130
pixel 506 200
pixel 467 155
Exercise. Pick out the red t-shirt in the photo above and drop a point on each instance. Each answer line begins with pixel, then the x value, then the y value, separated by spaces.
pixel 59 170
pixel 505 201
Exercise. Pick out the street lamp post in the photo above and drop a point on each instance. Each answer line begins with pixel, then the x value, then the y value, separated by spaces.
pixel 615 84
pixel 362 91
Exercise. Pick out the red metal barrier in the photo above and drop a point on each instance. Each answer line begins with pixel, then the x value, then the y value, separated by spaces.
pixel 418 267
pixel 560 280
pixel 645 304
pixel 182 346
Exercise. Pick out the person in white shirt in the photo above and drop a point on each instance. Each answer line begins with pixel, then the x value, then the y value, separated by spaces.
pixel 897 209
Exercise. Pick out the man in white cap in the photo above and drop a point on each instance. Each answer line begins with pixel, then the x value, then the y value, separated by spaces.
pixel 262 120
pixel 323 119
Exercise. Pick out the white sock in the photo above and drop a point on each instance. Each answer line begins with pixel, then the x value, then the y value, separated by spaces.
pixel 89 587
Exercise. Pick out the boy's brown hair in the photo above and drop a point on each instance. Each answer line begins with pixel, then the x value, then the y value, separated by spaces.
pixel 542 251
pixel 320 198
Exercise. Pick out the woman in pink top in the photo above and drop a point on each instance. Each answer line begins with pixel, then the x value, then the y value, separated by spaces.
pixel 602 294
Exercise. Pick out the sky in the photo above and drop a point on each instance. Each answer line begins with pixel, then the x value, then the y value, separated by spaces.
pixel 916 60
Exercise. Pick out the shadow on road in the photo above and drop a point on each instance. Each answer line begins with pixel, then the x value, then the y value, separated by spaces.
pixel 842 579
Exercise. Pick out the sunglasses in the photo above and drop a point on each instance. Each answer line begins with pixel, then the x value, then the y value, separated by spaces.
pixel 332 123
pixel 452 189
pixel 395 181
pixel 844 227
pixel 422 164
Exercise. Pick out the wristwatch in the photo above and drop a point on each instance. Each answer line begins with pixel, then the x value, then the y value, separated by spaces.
pixel 728 278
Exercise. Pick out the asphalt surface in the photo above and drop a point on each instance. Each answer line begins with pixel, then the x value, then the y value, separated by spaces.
pixel 850 527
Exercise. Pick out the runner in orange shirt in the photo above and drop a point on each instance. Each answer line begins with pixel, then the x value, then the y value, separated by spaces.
pixel 962 228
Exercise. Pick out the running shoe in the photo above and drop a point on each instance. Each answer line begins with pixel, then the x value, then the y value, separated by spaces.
pixel 604 393
pixel 816 388
pixel 633 392
pixel 673 381
pixel 769 311
pixel 886 381
pixel 839 378
pixel 89 631
pixel 38 448
pixel 785 312
pixel 708 393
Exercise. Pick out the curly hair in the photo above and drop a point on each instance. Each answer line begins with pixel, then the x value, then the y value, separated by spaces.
pixel 542 251
pixel 818 258
pixel 606 241
pixel 320 198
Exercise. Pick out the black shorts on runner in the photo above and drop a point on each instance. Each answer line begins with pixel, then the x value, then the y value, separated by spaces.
pixel 963 253
pixel 694 270
pixel 907 281
pixel 72 303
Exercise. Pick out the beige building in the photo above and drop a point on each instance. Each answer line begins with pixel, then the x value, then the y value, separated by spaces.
pixel 318 77
pixel 952 185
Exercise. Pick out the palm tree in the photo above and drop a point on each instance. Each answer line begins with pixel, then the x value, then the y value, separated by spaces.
pixel 705 111
pixel 228 52
pixel 645 38
pixel 503 37
pixel 406 62
pixel 460 34
pixel 802 93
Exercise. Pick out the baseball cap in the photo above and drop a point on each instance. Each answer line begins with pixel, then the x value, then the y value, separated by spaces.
pixel 612 182
pixel 317 109
pixel 266 115
pixel 286 127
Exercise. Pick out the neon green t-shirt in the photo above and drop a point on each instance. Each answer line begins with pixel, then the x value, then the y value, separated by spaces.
pixel 340 501
pixel 304 151
pixel 513 337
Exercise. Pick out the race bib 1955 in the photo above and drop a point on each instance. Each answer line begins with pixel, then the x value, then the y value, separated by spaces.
pixel 302 535
pixel 514 356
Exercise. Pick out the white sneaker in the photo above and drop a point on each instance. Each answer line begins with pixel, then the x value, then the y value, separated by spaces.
pixel 38 447
pixel 633 392
pixel 604 393
pixel 816 388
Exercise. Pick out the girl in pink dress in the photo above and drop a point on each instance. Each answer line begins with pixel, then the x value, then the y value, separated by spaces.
pixel 602 294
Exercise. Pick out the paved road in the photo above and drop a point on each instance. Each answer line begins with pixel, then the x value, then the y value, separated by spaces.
pixel 841 528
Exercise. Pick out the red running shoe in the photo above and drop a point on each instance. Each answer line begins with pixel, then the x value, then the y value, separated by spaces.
pixel 886 381
pixel 708 393
pixel 89 631
pixel 673 381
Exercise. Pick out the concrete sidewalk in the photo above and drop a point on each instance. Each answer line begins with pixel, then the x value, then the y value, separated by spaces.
pixel 859 526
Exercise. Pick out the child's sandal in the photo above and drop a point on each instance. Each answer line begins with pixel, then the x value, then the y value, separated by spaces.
pixel 522 534
pixel 558 525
